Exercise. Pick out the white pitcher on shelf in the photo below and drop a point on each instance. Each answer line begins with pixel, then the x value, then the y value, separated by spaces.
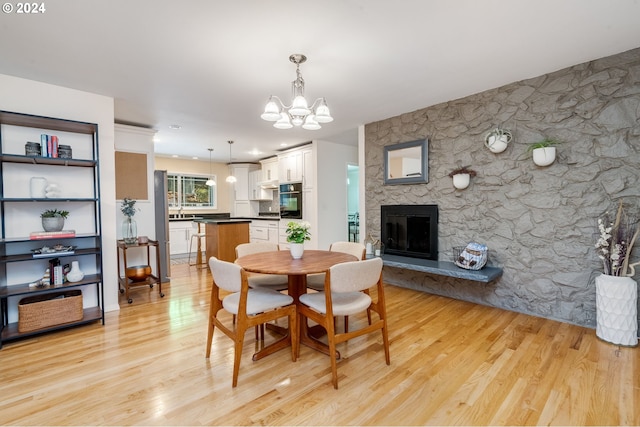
pixel 37 187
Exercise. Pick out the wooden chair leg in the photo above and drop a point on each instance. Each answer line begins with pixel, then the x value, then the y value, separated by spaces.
pixel 209 338
pixel 213 312
pixel 331 340
pixel 293 335
pixel 239 339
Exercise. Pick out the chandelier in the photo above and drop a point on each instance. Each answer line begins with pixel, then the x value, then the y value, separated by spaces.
pixel 298 113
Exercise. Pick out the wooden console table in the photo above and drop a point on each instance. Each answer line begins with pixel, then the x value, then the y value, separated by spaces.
pixel 124 282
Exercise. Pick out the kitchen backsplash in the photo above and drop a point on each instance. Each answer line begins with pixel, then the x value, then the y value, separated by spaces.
pixel 270 205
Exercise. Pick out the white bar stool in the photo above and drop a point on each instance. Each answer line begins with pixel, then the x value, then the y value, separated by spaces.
pixel 198 235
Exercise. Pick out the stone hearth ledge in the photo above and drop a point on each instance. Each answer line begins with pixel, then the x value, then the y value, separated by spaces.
pixel 442 268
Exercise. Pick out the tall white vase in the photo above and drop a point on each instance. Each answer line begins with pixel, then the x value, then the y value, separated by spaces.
pixel 617 309
pixel 297 249
pixel 75 275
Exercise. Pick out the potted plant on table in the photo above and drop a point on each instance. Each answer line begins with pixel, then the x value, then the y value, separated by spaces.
pixel 462 176
pixel 297 233
pixel 543 152
pixel 53 219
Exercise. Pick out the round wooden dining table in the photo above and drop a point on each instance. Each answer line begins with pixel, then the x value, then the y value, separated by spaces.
pixel 281 262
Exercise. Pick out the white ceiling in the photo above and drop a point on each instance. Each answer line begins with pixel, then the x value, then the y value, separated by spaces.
pixel 209 66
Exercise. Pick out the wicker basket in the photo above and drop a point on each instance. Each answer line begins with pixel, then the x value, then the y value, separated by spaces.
pixel 46 310
pixel 470 257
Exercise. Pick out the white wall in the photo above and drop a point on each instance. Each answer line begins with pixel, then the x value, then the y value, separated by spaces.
pixel 133 139
pixel 361 183
pixel 31 97
pixel 331 195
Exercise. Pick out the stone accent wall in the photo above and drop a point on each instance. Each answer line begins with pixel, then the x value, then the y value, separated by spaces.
pixel 539 223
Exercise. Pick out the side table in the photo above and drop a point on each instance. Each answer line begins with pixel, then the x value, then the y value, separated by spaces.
pixel 124 282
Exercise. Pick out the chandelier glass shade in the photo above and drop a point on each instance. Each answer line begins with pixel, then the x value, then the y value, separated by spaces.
pixel 230 179
pixel 299 113
pixel 210 182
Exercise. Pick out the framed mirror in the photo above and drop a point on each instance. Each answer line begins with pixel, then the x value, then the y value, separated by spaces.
pixel 406 163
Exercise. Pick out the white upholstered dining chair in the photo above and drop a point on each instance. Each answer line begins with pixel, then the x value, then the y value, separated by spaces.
pixel 251 307
pixel 344 295
pixel 316 281
pixel 277 282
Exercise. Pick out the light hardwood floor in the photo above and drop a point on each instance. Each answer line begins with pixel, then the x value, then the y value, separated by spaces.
pixel 452 362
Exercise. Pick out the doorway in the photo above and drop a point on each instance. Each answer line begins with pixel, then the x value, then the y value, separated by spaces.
pixel 353 202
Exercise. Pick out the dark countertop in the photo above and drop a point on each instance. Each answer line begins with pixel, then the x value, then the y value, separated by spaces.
pixel 222 221
pixel 260 218
pixel 195 217
pixel 222 217
pixel 191 218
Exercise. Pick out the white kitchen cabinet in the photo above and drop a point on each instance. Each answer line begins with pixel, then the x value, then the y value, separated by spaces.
pixel 290 166
pixel 179 235
pixel 241 186
pixel 269 169
pixel 242 209
pixel 257 192
pixel 282 234
pixel 308 169
pixel 263 231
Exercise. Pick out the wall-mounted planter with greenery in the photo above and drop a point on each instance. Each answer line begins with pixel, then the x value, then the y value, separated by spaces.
pixel 543 152
pixel 462 177
pixel 498 140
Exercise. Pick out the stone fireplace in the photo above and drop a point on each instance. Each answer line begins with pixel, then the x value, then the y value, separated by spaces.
pixel 410 230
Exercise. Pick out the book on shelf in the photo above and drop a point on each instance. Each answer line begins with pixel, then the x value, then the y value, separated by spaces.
pixel 49 145
pixel 39 235
pixel 55 272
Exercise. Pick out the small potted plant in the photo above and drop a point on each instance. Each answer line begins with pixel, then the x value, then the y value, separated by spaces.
pixel 543 152
pixel 461 177
pixel 53 219
pixel 297 233
pixel 497 140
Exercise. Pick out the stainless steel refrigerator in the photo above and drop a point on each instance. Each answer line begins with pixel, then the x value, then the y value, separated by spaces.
pixel 162 223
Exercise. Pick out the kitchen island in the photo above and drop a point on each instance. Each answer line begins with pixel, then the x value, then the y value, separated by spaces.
pixel 223 235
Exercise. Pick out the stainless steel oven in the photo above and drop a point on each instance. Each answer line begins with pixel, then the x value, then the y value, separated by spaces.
pixel 291 200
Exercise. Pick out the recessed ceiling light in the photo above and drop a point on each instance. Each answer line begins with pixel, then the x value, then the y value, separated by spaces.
pixel 175 127
pixel 284 144
pixel 255 152
pixel 195 157
pixel 175 155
